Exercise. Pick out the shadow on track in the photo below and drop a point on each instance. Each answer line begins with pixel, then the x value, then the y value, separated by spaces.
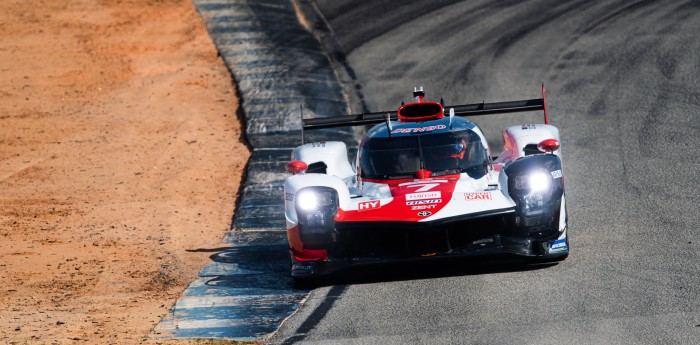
pixel 266 267
pixel 428 269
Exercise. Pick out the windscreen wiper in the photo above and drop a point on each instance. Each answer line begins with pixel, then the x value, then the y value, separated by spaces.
pixel 420 154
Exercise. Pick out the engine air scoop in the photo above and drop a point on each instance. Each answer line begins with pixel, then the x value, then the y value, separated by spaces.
pixel 423 111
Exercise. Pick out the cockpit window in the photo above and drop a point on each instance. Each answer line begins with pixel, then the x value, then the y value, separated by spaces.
pixel 441 153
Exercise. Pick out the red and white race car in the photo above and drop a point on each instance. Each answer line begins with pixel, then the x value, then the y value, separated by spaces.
pixel 424 184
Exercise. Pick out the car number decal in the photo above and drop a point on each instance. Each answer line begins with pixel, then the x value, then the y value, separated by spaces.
pixel 424 187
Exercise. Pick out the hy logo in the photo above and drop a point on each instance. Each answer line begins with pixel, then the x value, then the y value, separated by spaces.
pixel 368 205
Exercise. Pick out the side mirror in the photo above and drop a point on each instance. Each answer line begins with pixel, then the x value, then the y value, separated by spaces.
pixel 297 167
pixel 548 145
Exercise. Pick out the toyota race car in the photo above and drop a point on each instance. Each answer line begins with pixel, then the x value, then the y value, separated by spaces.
pixel 424 184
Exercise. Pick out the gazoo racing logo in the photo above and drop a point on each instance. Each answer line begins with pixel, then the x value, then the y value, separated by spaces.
pixel 368 205
pixel 418 205
pixel 424 202
pixel 477 196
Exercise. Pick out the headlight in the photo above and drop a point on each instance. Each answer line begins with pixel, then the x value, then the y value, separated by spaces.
pixel 539 182
pixel 534 182
pixel 316 208
pixel 536 190
pixel 310 200
pixel 532 190
pixel 307 201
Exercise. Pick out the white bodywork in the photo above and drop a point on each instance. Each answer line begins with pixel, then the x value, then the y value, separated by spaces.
pixel 515 138
pixel 351 192
pixel 332 153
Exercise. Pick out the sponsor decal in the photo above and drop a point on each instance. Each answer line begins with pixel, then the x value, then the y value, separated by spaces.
pixel 477 196
pixel 368 205
pixel 424 187
pixel 418 129
pixel 319 144
pixel 422 196
pixel 421 182
pixel 424 214
pixel 303 267
pixel 424 202
pixel 483 241
pixel 556 174
pixel 528 126
pixel 289 196
pixel 558 246
pixel 423 207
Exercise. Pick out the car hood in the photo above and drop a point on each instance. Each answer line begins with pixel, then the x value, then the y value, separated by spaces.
pixel 425 200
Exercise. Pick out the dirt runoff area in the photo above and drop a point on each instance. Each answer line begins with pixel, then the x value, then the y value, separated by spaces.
pixel 121 155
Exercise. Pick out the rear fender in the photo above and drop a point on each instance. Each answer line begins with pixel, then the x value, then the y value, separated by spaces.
pixel 520 141
pixel 328 157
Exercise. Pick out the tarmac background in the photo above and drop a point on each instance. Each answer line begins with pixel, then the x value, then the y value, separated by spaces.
pixel 623 88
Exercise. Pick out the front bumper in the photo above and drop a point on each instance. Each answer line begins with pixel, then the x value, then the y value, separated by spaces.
pixel 550 247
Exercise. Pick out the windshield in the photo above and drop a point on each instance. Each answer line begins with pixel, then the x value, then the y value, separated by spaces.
pixel 442 154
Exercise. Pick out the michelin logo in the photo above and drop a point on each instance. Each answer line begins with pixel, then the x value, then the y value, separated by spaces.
pixel 424 202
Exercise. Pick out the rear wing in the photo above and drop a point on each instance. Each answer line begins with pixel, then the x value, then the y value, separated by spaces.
pixel 476 109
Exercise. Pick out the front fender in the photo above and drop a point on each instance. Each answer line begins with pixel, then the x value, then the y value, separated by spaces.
pixel 297 182
pixel 536 209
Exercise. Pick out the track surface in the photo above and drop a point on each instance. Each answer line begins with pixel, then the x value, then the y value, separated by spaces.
pixel 623 80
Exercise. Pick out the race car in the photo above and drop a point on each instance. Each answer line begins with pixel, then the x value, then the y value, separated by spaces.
pixel 424 185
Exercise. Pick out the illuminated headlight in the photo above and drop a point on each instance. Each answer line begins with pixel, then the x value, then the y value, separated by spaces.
pixel 534 182
pixel 533 189
pixel 316 208
pixel 309 200
pixel 539 182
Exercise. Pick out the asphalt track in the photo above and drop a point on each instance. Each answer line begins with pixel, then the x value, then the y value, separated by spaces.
pixel 624 88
